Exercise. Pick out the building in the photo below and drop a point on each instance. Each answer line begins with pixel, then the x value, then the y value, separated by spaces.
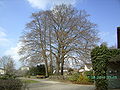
pixel 25 68
pixel 2 71
pixel 86 67
pixel 64 71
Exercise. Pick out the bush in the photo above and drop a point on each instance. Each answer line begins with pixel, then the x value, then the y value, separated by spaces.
pixel 90 75
pixel 83 79
pixel 9 82
pixel 80 79
pixel 74 77
pixel 38 70
pixel 7 76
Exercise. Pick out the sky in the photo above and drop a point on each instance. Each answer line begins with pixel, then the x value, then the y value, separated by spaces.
pixel 15 14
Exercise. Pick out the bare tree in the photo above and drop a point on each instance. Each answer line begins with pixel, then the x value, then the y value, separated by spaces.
pixel 8 64
pixel 63 32
pixel 34 40
pixel 74 35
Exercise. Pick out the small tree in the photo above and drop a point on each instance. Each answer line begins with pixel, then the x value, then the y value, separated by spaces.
pixel 8 64
pixel 38 70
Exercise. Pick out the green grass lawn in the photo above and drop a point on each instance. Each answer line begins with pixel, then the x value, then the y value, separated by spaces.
pixel 29 81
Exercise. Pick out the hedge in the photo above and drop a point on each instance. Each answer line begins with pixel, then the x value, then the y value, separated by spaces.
pixel 100 57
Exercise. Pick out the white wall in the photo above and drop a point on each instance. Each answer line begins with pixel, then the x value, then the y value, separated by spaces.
pixel 2 71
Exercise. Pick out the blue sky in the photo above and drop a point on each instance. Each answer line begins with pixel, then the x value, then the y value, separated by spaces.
pixel 14 14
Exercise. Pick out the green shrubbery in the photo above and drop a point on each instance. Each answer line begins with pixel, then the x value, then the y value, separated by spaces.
pixel 100 57
pixel 7 76
pixel 90 75
pixel 38 70
pixel 74 77
pixel 9 82
pixel 80 79
pixel 83 79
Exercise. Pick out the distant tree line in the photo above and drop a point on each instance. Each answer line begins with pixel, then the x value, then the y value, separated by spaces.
pixel 37 70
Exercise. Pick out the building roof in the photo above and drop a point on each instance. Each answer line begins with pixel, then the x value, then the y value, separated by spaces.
pixel 89 65
pixel 1 68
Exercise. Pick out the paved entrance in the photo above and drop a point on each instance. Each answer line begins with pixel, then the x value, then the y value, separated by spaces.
pixel 53 85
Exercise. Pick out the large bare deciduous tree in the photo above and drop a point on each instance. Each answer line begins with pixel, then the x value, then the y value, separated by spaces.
pixel 61 33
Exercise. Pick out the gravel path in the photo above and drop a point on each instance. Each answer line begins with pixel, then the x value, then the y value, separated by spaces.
pixel 53 85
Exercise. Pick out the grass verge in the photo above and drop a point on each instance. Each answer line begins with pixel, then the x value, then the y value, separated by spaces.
pixel 29 81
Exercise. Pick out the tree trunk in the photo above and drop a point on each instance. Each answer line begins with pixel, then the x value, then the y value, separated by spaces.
pixel 46 68
pixel 62 65
pixel 62 59
pixel 46 65
pixel 44 50
pixel 51 67
pixel 51 61
pixel 58 60
pixel 57 66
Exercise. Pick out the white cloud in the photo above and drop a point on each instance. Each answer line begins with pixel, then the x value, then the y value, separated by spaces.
pixel 3 37
pixel 6 43
pixel 2 34
pixel 44 4
pixel 13 52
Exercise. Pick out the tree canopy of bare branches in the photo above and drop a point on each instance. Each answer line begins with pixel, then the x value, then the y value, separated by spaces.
pixel 61 33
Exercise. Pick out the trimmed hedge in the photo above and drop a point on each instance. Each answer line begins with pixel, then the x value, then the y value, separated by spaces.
pixel 9 82
pixel 99 60
pixel 7 76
